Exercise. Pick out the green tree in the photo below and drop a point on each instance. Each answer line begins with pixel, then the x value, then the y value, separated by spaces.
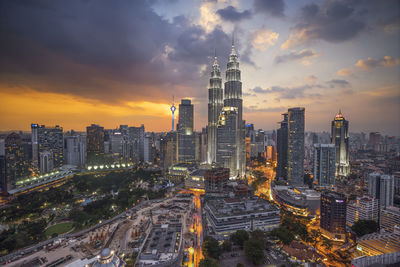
pixel 363 227
pixel 283 234
pixel 227 245
pixel 239 265
pixel 240 237
pixel 208 262
pixel 211 248
pixel 254 250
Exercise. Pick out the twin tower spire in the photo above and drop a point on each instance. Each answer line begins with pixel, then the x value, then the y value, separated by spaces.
pixel 218 100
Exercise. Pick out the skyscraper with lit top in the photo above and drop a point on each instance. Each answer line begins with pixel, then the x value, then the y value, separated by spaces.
pixel 233 98
pixel 215 104
pixel 340 137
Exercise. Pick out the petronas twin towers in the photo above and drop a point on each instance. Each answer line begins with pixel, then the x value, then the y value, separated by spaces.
pixel 226 131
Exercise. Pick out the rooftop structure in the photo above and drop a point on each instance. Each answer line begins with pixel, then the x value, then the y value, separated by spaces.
pixel 195 179
pixel 162 246
pixel 376 244
pixel 300 201
pixel 228 215
pixel 107 258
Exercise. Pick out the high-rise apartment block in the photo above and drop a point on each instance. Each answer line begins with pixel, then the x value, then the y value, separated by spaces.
pixel 390 218
pixel 296 146
pixel 75 150
pixel 47 139
pixel 340 138
pixel 324 164
pixel 216 179
pixel 381 187
pixel 362 208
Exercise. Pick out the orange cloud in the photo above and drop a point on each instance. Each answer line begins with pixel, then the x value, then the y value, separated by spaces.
pixel 20 109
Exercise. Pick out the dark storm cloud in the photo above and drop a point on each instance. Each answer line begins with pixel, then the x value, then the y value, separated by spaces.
pixel 338 21
pixel 107 50
pixel 274 8
pixel 338 83
pixel 230 13
pixel 293 56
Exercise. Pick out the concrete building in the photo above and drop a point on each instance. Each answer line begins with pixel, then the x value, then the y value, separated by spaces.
pixel 381 187
pixel 46 162
pixel 226 216
pixel 186 137
pixel 386 259
pixel 363 208
pixel 340 138
pixel 324 165
pixel 333 215
pixel 48 139
pixel 162 247
pixel 148 149
pixel 168 150
pixel 75 150
pixel 216 179
pixel 195 179
pixel 389 218
pixel 296 146
pixel 377 244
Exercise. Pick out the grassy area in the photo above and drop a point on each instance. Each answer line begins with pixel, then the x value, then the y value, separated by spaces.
pixel 59 228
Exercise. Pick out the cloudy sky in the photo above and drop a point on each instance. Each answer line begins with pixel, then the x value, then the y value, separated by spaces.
pixel 74 63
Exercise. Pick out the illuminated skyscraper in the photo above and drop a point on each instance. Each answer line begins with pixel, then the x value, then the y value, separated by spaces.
pixel 95 144
pixel 282 148
pixel 324 164
pixel 340 137
pixel 186 141
pixel 333 215
pixel 16 165
pixel 296 146
pixel 215 104
pixel 47 139
pixel 233 98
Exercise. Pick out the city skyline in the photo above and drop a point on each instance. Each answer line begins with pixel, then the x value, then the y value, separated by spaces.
pixel 71 72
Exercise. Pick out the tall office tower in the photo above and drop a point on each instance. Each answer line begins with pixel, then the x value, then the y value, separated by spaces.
pixel 215 104
pixel 381 187
pixel 116 141
pixel 16 165
pixel 333 215
pixel 197 145
pixel 168 150
pixel 296 146
pixel 48 139
pixel 75 150
pixel 148 149
pixel 233 98
pixel 228 134
pixel 363 208
pixel 282 148
pixel 340 137
pixel 95 144
pixel 390 217
pixel 186 142
pixel 35 144
pixel 216 179
pixel 46 161
pixel 374 139
pixel 324 164
pixel 136 135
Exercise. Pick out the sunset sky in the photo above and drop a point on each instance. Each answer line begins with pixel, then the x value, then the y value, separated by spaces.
pixel 74 63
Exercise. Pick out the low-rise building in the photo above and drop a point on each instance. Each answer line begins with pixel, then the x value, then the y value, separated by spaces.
pixel 226 216
pixel 390 217
pixel 363 208
pixel 163 246
pixel 377 244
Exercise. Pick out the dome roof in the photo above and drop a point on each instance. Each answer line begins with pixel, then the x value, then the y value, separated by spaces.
pixel 107 258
